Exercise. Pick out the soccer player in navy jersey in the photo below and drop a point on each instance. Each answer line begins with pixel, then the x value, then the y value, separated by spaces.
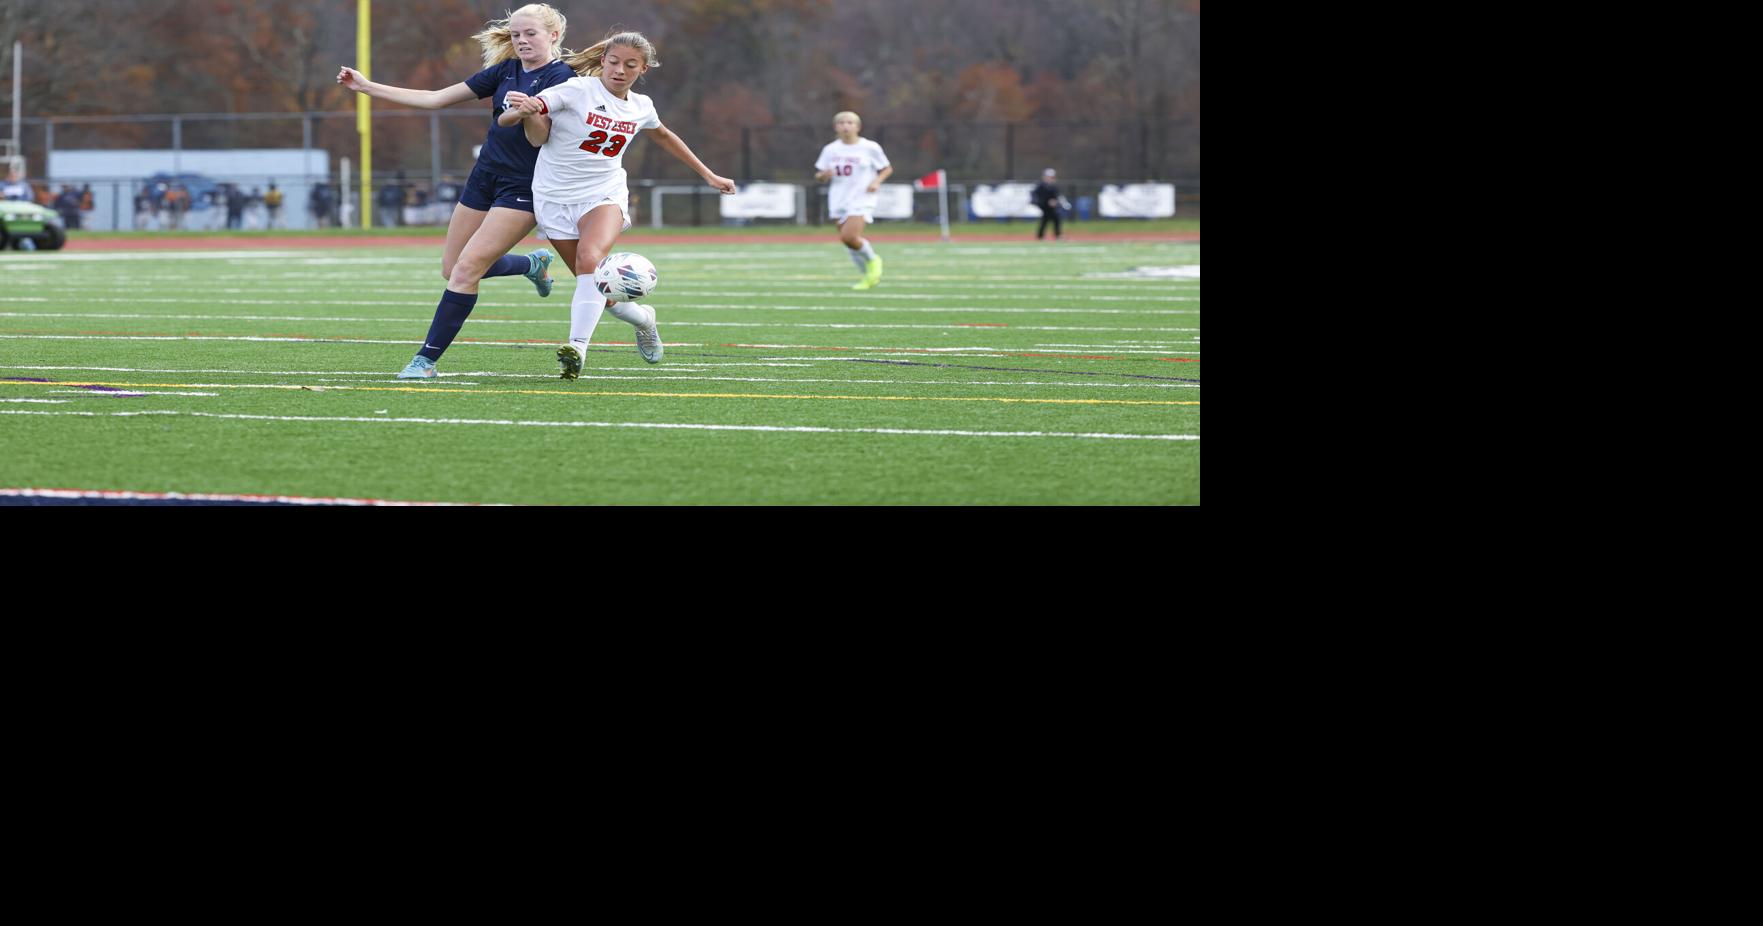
pixel 495 210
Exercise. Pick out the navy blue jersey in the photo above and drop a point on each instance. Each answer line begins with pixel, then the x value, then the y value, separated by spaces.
pixel 506 150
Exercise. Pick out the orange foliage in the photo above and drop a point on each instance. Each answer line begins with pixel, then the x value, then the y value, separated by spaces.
pixel 991 93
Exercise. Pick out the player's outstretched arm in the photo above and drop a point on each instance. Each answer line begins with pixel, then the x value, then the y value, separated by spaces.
pixel 676 146
pixel 421 99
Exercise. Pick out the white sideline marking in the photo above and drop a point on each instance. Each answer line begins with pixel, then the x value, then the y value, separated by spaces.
pixel 554 322
pixel 865 353
pixel 400 287
pixel 1123 345
pixel 1104 348
pixel 103 392
pixel 652 376
pixel 509 304
pixel 37 401
pixel 551 375
pixel 674 306
pixel 1009 292
pixel 112 256
pixel 921 297
pixel 993 351
pixel 964 326
pixel 1184 272
pixel 551 322
pixel 185 300
pixel 208 497
pixel 642 425
pixel 929 310
pixel 194 337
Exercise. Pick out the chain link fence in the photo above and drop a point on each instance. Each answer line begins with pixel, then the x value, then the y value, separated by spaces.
pixel 223 162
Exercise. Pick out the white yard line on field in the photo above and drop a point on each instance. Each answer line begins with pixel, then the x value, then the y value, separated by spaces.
pixel 972 328
pixel 126 496
pixel 123 394
pixel 667 374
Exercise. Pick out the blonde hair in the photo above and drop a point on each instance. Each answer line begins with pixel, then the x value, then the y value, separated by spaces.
pixel 838 116
pixel 587 62
pixel 498 39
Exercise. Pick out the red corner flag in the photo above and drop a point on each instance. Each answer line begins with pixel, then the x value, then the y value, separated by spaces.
pixel 937 180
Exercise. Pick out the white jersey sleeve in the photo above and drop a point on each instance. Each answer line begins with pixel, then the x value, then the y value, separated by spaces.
pixel 563 96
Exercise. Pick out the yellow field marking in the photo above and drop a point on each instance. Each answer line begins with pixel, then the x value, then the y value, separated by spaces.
pixel 596 392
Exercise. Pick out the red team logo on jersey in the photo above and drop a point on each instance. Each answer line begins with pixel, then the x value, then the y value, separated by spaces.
pixel 603 122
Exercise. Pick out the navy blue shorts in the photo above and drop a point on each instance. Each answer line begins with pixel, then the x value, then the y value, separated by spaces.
pixel 484 189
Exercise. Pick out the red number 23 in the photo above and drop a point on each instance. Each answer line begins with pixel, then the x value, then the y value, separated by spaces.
pixel 596 139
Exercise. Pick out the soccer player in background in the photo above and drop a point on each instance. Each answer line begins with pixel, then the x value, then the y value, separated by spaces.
pixel 584 126
pixel 856 166
pixel 15 187
pixel 495 210
pixel 1046 196
pixel 272 203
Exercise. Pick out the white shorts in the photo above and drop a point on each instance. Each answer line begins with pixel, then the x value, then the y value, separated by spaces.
pixel 843 207
pixel 563 220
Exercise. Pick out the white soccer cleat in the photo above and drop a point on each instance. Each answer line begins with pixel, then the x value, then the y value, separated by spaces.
pixel 419 367
pixel 649 338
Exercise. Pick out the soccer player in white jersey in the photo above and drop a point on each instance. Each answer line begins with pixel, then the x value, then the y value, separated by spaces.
pixel 584 126
pixel 856 166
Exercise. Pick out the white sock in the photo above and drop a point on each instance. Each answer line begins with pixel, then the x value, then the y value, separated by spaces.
pixel 584 310
pixel 638 315
pixel 867 251
pixel 858 258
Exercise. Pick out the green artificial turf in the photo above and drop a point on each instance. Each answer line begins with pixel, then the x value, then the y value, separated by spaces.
pixel 781 385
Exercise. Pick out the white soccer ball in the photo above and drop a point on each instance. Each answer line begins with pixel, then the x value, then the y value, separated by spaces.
pixel 625 277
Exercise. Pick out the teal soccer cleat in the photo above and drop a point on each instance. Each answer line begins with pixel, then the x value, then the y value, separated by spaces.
pixel 541 262
pixel 419 367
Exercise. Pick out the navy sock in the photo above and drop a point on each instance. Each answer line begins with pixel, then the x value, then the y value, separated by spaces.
pixel 450 316
pixel 509 265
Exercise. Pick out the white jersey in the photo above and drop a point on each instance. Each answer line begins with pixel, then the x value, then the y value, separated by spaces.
pixel 590 130
pixel 854 168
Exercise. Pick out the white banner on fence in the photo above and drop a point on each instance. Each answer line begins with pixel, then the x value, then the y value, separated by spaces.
pixel 1006 200
pixel 894 201
pixel 1138 201
pixel 760 201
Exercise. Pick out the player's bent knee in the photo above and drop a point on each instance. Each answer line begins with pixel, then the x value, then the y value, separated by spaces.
pixel 465 273
pixel 587 261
